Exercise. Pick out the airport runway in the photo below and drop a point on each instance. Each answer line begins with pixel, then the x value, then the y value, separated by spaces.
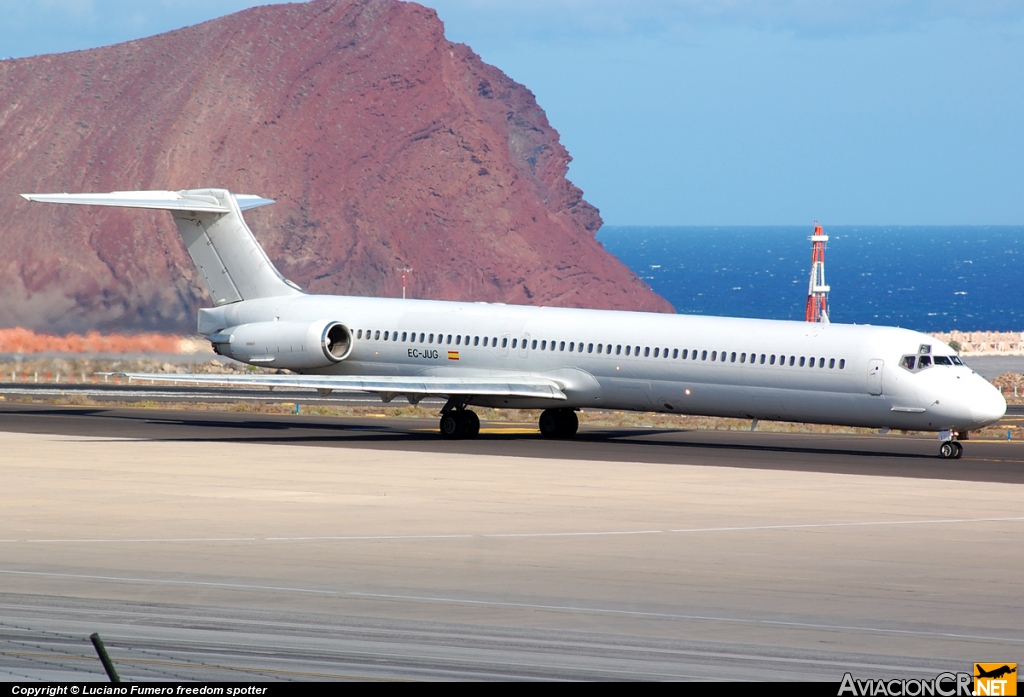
pixel 234 546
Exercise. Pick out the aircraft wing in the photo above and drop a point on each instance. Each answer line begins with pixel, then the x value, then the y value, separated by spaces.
pixel 512 386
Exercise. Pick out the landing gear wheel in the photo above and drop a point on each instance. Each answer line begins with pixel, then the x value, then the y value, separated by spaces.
pixel 460 423
pixel 558 423
pixel 959 450
pixel 549 423
pixel 472 424
pixel 947 451
pixel 570 423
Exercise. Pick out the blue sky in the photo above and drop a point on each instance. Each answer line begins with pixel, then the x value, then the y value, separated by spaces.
pixel 698 112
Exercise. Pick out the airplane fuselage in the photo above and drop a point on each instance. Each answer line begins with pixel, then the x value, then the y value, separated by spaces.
pixel 745 368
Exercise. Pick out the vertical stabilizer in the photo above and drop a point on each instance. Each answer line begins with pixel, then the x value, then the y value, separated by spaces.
pixel 232 263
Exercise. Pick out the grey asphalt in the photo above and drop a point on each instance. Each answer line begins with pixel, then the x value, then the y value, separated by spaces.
pixel 229 546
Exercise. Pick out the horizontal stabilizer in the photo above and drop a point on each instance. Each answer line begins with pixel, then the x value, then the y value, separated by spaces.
pixel 525 386
pixel 157 200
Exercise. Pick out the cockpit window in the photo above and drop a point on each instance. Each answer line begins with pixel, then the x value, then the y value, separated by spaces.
pixel 942 360
pixel 956 360
pixel 908 362
pixel 924 362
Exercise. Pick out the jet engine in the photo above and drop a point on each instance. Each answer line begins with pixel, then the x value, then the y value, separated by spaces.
pixel 292 345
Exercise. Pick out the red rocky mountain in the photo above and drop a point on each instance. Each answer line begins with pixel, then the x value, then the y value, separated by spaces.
pixel 385 145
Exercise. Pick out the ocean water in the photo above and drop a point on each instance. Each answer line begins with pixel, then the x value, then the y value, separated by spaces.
pixel 969 278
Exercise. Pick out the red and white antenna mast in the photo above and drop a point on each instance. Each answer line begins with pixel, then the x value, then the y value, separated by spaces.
pixel 404 271
pixel 817 307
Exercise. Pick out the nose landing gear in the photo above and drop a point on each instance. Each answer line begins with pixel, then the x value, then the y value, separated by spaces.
pixel 950 448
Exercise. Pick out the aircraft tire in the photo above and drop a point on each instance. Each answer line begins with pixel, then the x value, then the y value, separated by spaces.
pixel 558 423
pixel 550 423
pixel 570 423
pixel 959 450
pixel 453 426
pixel 472 423
pixel 947 451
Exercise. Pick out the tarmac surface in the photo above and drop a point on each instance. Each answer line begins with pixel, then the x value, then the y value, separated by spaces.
pixel 248 547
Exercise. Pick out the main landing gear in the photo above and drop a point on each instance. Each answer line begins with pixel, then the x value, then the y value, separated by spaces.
pixel 460 423
pixel 558 423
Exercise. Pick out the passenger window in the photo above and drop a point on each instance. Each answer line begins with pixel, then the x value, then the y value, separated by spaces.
pixel 743 358
pixel 842 363
pixel 561 346
pixel 792 360
pixel 942 360
pixel 515 342
pixel 732 357
pixel 821 362
pixel 714 355
pixel 572 346
pixel 763 357
pixel 534 344
pixel 628 349
pixel 656 351
pixel 831 363
pixel 590 348
pixel 579 347
pixel 600 347
pixel 476 341
pixel 647 351
pixel 618 350
pixel 449 339
pixel 544 346
pixel 504 342
pixel 458 340
pixel 636 350
pixel 721 356
pixel 685 353
pixel 675 353
pixel 359 334
pixel 376 334
pixel 704 355
pixel 803 361
pixel 485 341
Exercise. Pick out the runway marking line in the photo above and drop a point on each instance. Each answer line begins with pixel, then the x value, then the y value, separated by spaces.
pixel 507 535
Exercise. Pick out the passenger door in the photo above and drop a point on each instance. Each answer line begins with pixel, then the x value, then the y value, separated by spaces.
pixel 875 376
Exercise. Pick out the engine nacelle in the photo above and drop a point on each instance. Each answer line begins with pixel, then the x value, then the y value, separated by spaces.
pixel 292 345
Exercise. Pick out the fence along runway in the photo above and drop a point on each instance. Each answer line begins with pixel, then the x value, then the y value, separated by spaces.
pixel 222 545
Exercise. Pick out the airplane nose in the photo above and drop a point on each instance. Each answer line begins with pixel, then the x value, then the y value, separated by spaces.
pixel 987 405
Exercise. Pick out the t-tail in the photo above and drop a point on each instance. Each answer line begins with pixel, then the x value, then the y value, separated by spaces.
pixel 231 261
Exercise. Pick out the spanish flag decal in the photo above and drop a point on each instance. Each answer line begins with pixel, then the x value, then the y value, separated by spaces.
pixel 453 355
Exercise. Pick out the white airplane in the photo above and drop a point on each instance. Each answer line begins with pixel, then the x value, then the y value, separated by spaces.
pixel 555 359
